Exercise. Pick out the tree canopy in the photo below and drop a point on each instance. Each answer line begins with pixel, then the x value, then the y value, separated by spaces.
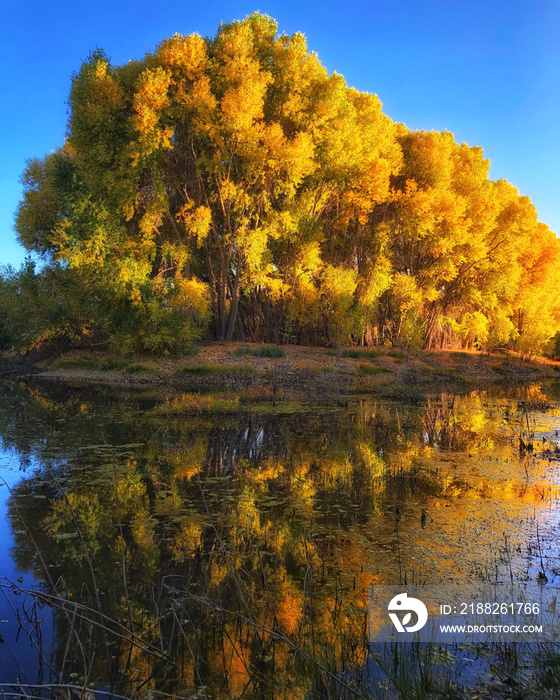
pixel 230 185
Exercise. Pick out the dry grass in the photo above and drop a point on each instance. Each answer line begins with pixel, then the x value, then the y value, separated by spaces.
pixel 198 403
pixel 218 364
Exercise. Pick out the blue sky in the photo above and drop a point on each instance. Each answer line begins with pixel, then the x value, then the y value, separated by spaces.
pixel 486 70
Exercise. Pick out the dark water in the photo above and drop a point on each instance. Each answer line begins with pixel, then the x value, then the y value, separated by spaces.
pixel 229 556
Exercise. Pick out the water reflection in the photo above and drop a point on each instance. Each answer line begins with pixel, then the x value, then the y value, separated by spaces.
pixel 234 552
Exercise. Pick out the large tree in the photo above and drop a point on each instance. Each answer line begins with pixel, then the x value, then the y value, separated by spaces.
pixel 234 175
pixel 215 155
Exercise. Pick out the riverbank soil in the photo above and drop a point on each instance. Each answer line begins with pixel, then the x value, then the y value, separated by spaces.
pixel 290 368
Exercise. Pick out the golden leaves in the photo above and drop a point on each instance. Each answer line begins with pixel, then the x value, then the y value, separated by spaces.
pixel 241 158
pixel 187 54
pixel 149 102
pixel 197 220
pixel 193 295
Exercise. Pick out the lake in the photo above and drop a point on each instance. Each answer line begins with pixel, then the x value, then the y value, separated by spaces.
pixel 229 555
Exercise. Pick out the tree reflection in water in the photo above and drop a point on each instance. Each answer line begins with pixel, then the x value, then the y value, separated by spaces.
pixel 233 553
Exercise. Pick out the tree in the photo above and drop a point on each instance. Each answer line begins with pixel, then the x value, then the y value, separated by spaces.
pixel 457 243
pixel 234 177
pixel 217 155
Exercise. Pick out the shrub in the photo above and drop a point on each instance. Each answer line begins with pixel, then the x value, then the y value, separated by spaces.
pixel 270 352
pixel 356 353
pixel 372 369
pixel 244 351
pixel 140 368
pixel 157 315
pixel 245 370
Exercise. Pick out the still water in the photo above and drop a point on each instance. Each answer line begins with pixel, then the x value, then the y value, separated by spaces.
pixel 230 555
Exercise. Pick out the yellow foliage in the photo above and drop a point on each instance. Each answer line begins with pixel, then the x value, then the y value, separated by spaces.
pixel 193 295
pixel 238 163
pixel 185 543
pixel 289 607
pixel 197 220
pixel 187 54
pixel 150 100
pixel 473 328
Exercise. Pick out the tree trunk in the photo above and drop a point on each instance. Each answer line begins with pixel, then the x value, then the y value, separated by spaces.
pixel 234 306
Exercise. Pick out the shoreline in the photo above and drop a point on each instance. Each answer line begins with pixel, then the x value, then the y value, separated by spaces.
pixel 315 372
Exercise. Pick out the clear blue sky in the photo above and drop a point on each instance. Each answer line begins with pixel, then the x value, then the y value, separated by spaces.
pixel 487 70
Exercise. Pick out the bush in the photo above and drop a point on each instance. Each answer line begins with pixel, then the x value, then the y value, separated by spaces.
pixel 49 306
pixel 106 365
pixel 203 369
pixel 158 315
pixel 270 352
pixel 355 353
pixel 244 351
pixel 140 369
pixel 372 369
pixel 244 370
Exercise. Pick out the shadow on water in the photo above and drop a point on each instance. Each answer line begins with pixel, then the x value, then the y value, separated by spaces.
pixel 229 555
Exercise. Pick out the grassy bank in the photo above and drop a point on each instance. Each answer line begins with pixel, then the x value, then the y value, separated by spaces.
pixel 315 372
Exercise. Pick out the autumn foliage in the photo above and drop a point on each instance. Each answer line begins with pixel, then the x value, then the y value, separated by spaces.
pixel 231 186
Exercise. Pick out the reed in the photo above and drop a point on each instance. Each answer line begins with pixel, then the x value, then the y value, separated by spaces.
pixel 198 403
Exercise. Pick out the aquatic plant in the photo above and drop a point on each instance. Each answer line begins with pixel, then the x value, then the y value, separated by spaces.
pixel 198 403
